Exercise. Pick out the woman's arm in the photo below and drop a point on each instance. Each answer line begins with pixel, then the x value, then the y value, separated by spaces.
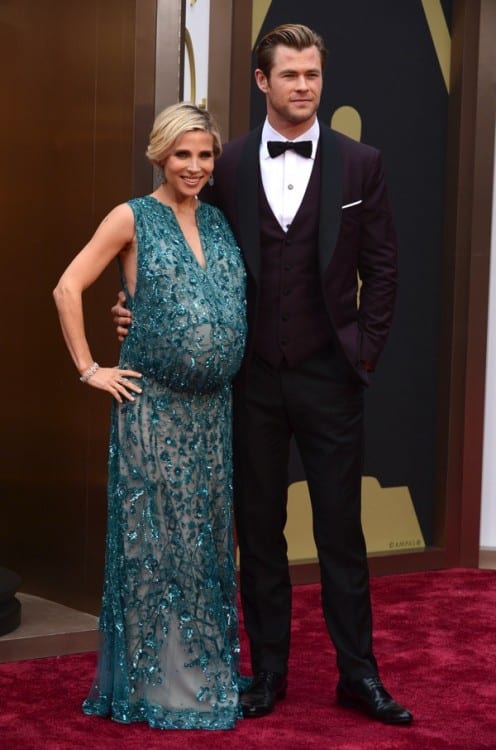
pixel 114 235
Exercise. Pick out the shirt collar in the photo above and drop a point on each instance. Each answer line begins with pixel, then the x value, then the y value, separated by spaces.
pixel 269 134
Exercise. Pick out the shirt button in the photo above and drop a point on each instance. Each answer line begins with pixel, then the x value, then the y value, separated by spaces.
pixel 290 187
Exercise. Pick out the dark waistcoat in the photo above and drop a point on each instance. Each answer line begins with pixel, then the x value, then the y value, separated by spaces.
pixel 291 323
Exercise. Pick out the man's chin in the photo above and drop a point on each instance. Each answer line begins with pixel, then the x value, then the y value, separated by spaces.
pixel 301 114
pixel 298 118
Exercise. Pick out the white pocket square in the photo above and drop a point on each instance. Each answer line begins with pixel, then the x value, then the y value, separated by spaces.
pixel 349 205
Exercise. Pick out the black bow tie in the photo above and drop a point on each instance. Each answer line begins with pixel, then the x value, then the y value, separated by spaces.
pixel 303 148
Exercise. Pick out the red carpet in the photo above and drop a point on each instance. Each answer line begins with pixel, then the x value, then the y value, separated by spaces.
pixel 435 639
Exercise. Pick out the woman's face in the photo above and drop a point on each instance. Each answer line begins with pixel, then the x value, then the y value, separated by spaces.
pixel 190 163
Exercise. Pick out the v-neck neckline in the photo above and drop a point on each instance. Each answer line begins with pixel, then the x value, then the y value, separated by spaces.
pixel 186 243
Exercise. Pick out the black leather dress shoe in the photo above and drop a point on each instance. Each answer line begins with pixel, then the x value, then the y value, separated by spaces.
pixel 370 696
pixel 264 691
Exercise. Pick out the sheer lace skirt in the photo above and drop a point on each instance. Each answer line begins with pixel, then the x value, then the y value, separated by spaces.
pixel 169 647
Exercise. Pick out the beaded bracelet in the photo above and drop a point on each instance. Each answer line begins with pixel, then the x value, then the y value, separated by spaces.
pixel 89 372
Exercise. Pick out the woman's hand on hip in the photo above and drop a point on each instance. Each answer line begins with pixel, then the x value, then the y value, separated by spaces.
pixel 116 382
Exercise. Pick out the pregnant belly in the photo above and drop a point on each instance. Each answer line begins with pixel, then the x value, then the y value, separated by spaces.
pixel 198 359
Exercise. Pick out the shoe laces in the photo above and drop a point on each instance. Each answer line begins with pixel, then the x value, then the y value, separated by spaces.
pixel 374 682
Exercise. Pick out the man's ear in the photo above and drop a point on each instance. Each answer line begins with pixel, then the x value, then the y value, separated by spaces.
pixel 261 80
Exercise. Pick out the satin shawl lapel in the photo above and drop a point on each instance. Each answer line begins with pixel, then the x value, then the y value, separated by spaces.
pixel 247 200
pixel 331 190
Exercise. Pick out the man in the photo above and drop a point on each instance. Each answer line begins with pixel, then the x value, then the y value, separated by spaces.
pixel 308 222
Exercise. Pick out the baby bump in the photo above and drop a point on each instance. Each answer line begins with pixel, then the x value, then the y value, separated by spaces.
pixel 198 358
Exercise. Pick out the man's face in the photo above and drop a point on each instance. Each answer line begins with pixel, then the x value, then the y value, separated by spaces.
pixel 293 88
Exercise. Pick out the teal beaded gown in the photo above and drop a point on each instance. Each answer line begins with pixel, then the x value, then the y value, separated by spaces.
pixel 169 646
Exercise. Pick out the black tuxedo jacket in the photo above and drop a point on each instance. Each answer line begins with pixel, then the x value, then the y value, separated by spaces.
pixel 356 237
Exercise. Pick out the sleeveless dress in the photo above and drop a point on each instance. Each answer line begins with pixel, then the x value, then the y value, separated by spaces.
pixel 169 646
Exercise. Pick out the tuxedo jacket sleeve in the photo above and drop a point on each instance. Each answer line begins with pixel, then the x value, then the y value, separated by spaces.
pixel 356 237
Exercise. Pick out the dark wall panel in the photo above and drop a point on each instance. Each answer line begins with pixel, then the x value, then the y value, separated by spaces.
pixel 382 62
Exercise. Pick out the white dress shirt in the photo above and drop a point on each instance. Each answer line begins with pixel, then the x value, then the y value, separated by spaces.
pixel 285 178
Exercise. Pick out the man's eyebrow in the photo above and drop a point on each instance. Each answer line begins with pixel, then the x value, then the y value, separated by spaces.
pixel 308 70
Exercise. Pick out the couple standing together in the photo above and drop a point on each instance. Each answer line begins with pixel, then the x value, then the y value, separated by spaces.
pixel 308 207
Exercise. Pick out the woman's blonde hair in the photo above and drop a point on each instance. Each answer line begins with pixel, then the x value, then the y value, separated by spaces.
pixel 172 123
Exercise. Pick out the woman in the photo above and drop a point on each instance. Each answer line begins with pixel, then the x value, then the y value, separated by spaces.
pixel 169 650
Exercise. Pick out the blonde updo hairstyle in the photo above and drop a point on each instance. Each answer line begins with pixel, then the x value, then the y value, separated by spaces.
pixel 172 123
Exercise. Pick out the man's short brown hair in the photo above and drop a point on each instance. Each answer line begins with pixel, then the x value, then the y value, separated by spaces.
pixel 293 35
